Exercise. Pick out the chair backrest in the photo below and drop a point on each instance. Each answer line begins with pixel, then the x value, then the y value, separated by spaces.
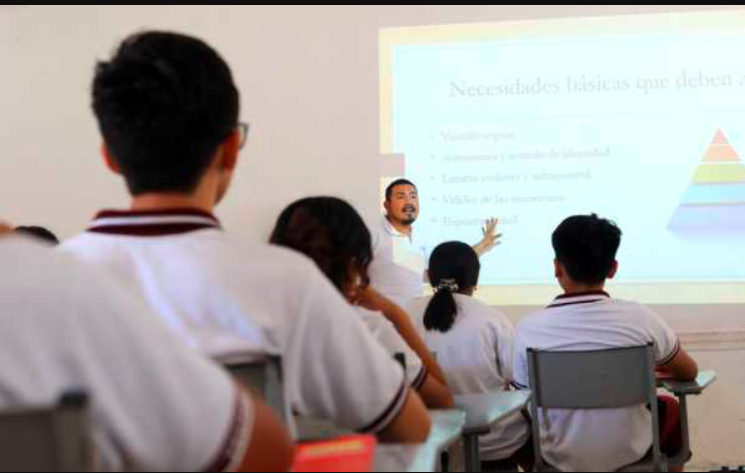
pixel 264 377
pixel 55 439
pixel 607 379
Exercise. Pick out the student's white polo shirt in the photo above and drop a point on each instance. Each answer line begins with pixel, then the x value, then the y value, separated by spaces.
pixel 476 356
pixel 207 286
pixel 399 264
pixel 156 405
pixel 385 333
pixel 596 440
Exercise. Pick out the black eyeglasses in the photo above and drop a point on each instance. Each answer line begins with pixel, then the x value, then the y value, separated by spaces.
pixel 243 129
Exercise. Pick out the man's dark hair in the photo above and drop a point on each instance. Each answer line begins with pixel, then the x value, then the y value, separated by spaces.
pixel 331 233
pixel 39 233
pixel 396 183
pixel 587 246
pixel 164 103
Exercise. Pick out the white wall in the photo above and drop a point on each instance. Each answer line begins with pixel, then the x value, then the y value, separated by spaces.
pixel 309 78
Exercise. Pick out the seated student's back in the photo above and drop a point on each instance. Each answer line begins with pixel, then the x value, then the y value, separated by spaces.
pixel 334 236
pixel 472 341
pixel 155 404
pixel 168 109
pixel 586 318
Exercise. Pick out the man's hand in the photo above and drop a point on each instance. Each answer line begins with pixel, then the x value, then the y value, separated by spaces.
pixel 5 229
pixel 491 239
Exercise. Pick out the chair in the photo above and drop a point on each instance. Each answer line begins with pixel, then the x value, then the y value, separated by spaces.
pixel 55 439
pixel 264 377
pixel 609 379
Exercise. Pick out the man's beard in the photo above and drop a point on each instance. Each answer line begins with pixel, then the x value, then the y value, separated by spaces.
pixel 409 218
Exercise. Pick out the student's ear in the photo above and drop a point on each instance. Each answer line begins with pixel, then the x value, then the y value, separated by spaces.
pixel 558 270
pixel 613 270
pixel 387 206
pixel 231 147
pixel 108 158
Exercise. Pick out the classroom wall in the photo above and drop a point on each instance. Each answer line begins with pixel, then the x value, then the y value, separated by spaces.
pixel 309 79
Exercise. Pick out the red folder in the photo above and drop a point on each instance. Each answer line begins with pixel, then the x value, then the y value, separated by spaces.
pixel 346 454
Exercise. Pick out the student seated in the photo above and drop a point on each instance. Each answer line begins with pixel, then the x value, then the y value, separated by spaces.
pixel 41 234
pixel 155 404
pixel 473 343
pixel 587 318
pixel 168 110
pixel 333 234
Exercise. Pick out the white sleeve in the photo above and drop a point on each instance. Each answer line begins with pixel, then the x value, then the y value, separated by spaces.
pixel 520 374
pixel 426 247
pixel 157 405
pixel 344 374
pixel 504 334
pixel 666 341
pixel 375 233
pixel 388 336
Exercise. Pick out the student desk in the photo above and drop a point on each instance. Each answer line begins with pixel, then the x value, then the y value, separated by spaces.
pixel 484 411
pixel 317 430
pixel 447 429
pixel 682 390
pixel 406 458
pixel 694 388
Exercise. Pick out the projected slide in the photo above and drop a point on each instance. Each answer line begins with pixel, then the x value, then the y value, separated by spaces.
pixel 638 119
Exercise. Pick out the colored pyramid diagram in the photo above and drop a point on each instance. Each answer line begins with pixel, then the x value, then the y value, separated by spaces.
pixel 716 198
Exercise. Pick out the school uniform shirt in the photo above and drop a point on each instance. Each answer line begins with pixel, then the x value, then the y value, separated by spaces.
pixel 594 440
pixel 386 334
pixel 207 286
pixel 476 356
pixel 155 404
pixel 399 263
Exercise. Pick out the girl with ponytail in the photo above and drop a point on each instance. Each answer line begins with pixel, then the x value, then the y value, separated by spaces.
pixel 453 269
pixel 473 343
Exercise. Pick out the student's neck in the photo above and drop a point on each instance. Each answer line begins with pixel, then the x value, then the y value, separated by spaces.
pixel 571 289
pixel 400 227
pixel 163 201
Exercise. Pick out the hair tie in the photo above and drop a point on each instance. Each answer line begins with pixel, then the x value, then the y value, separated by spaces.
pixel 448 284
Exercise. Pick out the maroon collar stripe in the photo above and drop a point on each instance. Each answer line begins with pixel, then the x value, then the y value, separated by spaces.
pixel 153 223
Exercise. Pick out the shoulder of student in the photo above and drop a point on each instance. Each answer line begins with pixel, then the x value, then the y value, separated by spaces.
pixel 532 320
pixel 220 249
pixel 481 311
pixel 96 329
pixel 418 306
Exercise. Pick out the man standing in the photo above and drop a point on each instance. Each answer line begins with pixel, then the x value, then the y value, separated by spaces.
pixel 399 267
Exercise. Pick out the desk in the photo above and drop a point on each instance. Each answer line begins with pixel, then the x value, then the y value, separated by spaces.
pixel 690 388
pixel 406 458
pixel 681 390
pixel 447 429
pixel 484 411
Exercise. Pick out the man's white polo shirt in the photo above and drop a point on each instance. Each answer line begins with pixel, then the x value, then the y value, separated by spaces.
pixel 399 264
